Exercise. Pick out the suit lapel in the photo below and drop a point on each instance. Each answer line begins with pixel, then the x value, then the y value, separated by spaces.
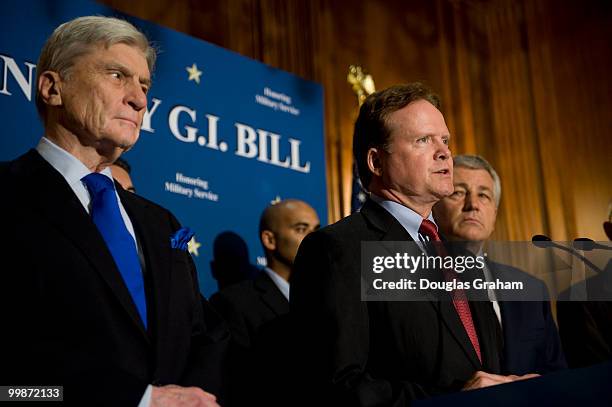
pixel 455 326
pixel 391 230
pixel 509 311
pixel 388 228
pixel 271 295
pixel 61 208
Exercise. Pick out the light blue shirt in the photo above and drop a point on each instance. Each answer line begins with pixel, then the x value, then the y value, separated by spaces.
pixel 409 219
pixel 280 282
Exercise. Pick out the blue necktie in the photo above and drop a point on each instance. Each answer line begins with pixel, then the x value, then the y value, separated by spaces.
pixel 105 214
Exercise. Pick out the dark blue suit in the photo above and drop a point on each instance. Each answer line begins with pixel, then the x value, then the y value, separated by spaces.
pixel 531 340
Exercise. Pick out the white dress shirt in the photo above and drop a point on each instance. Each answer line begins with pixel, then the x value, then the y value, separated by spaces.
pixel 73 171
pixel 491 293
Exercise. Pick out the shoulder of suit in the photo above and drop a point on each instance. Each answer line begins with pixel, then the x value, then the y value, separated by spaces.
pixel 141 201
pixel 512 273
pixel 339 240
pixel 12 179
pixel 4 168
pixel 138 199
pixel 347 226
pixel 8 168
pixel 240 297
pixel 353 228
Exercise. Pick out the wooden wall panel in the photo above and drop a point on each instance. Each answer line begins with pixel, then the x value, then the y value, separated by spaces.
pixel 583 91
pixel 524 83
pixel 515 152
pixel 558 205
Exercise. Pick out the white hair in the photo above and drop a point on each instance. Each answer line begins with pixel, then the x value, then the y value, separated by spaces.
pixel 76 38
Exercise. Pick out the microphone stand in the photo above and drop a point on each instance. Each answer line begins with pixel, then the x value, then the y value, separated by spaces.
pixel 543 241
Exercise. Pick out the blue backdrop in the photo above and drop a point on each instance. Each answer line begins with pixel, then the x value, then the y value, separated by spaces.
pixel 224 135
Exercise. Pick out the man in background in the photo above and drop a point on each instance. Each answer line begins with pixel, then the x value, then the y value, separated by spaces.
pixel 585 327
pixel 121 171
pixel 250 307
pixel 103 298
pixel 530 340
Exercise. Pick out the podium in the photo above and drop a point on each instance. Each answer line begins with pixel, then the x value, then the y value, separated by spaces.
pixel 584 387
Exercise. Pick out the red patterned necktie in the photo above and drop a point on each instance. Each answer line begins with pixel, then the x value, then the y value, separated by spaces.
pixel 462 306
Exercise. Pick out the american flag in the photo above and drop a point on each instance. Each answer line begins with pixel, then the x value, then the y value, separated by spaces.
pixel 363 85
pixel 358 194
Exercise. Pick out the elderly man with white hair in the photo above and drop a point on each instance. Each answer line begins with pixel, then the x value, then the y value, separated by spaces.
pixel 103 297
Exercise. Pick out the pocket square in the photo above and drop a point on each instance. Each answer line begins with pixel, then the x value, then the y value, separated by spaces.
pixel 181 238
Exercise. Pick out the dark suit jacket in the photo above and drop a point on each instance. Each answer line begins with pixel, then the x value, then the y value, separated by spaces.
pixel 248 305
pixel 531 340
pixel 255 311
pixel 72 319
pixel 359 353
pixel 586 326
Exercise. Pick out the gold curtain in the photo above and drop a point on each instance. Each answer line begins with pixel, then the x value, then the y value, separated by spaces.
pixel 524 83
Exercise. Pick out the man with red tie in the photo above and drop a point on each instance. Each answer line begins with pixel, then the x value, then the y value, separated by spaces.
pixel 386 353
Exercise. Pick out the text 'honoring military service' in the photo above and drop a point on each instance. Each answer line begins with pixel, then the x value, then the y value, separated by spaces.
pixel 190 187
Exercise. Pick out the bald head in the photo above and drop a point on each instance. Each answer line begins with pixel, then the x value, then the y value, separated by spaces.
pixel 282 227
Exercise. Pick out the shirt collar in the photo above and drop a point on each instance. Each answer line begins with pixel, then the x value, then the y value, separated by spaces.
pixel 409 219
pixel 280 282
pixel 65 163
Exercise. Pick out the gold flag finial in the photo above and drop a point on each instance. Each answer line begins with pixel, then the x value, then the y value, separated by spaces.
pixel 361 82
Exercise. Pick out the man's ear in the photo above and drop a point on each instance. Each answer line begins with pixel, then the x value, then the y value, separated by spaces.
pixel 268 240
pixel 49 88
pixel 374 160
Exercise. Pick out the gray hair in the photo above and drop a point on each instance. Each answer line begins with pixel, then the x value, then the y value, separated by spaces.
pixel 476 162
pixel 76 38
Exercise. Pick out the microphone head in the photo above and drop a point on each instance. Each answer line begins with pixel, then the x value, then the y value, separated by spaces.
pixel 584 243
pixel 541 241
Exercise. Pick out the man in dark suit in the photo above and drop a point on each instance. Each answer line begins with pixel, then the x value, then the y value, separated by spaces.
pixel 585 327
pixel 254 308
pixel 386 353
pixel 530 339
pixel 102 298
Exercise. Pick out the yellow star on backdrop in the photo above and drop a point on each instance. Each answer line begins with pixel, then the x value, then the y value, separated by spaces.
pixel 194 73
pixel 275 200
pixel 193 246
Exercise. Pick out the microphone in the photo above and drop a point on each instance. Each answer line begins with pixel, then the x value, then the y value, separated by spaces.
pixel 543 241
pixel 586 244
